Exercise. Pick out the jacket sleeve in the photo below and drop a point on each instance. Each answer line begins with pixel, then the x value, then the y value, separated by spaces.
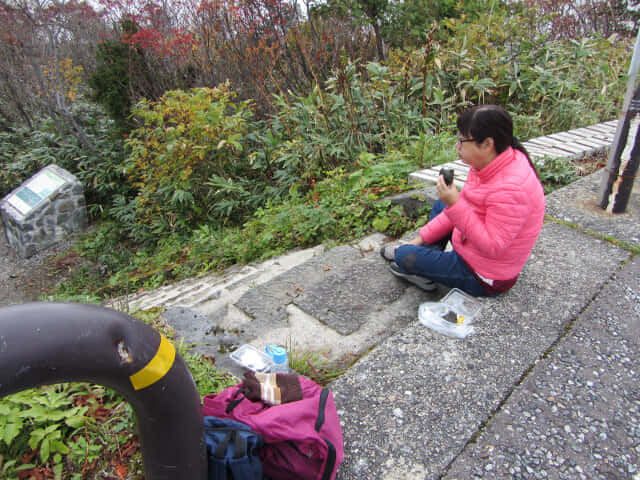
pixel 507 211
pixel 436 229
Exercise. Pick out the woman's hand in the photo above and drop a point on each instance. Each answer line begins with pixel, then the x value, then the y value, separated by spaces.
pixel 447 193
pixel 416 241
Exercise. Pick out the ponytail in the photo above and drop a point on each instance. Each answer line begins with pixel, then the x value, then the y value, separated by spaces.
pixel 515 144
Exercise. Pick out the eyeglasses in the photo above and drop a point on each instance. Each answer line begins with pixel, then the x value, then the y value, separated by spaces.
pixel 462 140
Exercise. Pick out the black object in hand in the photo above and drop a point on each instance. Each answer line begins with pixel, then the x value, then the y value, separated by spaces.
pixel 447 173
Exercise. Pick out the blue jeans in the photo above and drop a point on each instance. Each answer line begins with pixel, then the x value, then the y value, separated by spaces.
pixel 432 262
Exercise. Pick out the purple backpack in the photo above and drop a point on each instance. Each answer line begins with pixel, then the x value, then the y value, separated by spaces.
pixel 302 438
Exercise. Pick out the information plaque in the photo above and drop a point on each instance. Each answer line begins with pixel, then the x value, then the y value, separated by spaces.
pixel 27 197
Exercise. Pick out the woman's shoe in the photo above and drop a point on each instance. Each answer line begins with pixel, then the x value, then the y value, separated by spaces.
pixel 421 282
pixel 388 252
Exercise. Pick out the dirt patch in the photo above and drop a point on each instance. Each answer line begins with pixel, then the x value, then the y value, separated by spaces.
pixel 588 165
pixel 25 280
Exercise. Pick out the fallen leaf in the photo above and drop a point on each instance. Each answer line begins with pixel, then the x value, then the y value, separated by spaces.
pixel 82 400
pixel 35 473
pixel 312 367
pixel 101 413
pixel 130 447
pixel 27 457
pixel 326 268
pixel 121 471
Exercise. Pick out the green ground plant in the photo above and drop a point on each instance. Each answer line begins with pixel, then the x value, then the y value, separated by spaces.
pixel 555 173
pixel 62 428
pixel 317 366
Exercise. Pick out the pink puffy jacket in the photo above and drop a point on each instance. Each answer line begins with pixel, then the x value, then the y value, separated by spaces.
pixel 497 218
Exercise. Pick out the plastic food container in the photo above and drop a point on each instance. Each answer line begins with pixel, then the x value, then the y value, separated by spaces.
pixel 452 315
pixel 462 304
pixel 250 357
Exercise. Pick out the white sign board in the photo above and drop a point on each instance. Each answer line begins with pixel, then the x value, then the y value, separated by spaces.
pixel 43 184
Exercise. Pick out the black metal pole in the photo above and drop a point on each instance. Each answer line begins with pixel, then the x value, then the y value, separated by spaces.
pixel 46 343
pixel 613 163
pixel 621 183
pixel 609 185
pixel 627 178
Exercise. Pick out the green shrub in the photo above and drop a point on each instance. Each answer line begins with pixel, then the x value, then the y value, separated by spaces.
pixel 186 139
pixel 341 207
pixel 110 82
pixel 549 86
pixel 362 110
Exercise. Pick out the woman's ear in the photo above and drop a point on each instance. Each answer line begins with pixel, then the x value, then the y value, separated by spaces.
pixel 489 143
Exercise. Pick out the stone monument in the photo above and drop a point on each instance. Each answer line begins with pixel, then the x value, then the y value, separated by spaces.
pixel 43 210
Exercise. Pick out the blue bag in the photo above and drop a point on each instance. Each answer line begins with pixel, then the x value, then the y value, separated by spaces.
pixel 233 450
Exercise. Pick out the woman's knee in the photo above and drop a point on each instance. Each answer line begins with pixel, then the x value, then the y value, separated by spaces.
pixel 406 256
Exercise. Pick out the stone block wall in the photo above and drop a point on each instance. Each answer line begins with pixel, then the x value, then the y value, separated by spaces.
pixel 58 215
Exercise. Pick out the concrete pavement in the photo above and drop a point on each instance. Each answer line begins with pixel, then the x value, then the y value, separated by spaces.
pixel 547 387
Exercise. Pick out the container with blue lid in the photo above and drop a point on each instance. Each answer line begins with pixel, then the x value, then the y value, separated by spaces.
pixel 279 357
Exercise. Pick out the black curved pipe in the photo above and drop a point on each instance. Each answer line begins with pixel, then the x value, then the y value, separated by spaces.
pixel 46 343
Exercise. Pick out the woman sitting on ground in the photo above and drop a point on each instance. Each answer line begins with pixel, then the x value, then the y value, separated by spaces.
pixel 493 222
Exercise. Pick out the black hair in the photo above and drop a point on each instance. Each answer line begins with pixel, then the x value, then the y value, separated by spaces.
pixel 491 121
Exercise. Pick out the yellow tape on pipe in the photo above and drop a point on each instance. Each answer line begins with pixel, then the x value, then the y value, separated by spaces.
pixel 157 368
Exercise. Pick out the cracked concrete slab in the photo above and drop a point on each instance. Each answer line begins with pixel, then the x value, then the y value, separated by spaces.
pixel 347 297
pixel 268 299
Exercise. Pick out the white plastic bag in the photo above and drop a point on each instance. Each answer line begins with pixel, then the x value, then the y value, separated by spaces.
pixel 431 314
